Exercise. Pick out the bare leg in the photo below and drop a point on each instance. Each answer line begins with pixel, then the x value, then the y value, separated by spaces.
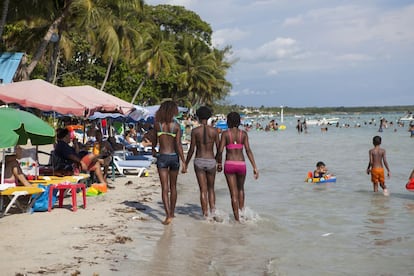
pixel 163 174
pixel 384 188
pixel 240 188
pixel 375 186
pixel 211 177
pixel 173 191
pixel 98 173
pixel 232 184
pixel 202 184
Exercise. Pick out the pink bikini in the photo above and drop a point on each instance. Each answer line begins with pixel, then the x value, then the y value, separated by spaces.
pixel 232 166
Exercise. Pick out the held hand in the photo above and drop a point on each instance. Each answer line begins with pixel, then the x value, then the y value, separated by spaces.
pixel 184 168
pixel 219 167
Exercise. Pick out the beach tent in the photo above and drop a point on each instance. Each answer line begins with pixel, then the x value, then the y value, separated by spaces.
pixel 42 95
pixel 98 99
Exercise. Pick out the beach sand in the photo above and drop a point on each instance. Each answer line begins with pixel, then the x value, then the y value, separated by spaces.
pixel 89 241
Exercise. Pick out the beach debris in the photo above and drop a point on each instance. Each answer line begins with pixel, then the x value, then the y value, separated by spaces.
pixel 126 210
pixel 139 218
pixel 122 239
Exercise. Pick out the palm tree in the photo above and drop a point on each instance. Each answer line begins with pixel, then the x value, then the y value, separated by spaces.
pixel 157 55
pixel 110 30
pixel 197 65
pixel 4 16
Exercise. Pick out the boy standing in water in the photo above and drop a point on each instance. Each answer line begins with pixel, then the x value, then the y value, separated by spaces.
pixel 377 158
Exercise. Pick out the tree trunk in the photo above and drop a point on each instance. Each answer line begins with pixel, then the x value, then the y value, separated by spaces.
pixel 108 70
pixel 4 16
pixel 53 64
pixel 46 39
pixel 138 89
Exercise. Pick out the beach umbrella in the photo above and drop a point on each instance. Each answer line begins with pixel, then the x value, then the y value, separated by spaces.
pixel 18 126
pixel 139 113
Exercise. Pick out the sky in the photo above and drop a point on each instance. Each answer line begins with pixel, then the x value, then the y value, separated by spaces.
pixel 313 53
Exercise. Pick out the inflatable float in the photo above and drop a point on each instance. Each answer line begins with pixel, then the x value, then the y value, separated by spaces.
pixel 324 179
pixel 410 185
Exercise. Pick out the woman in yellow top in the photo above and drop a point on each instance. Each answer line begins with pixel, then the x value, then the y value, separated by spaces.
pixel 169 154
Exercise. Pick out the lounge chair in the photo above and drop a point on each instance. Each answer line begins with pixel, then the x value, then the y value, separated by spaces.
pixel 127 155
pixel 13 193
pixel 123 165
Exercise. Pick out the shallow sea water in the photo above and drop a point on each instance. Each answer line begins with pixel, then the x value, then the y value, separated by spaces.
pixel 292 227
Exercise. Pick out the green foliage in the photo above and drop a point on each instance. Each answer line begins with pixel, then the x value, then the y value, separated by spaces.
pixel 165 48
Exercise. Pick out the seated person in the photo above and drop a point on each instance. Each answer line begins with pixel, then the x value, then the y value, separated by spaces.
pixel 104 152
pixel 129 138
pixel 147 138
pixel 13 173
pixel 320 171
pixel 115 145
pixel 71 158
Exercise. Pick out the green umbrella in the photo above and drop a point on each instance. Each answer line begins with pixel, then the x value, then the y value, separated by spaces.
pixel 17 126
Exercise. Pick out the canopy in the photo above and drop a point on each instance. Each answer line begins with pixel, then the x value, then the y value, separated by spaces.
pixel 152 109
pixel 18 126
pixel 139 113
pixel 98 99
pixel 42 95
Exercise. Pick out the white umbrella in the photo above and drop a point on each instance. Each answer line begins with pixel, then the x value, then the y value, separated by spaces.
pixel 139 113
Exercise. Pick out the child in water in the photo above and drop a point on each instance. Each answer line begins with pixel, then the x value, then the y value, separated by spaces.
pixel 377 159
pixel 320 171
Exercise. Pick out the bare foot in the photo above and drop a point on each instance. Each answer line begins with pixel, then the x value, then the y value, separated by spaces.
pixel 386 192
pixel 167 221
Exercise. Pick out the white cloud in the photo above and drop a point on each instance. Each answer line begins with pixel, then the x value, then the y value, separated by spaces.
pixel 354 57
pixel 226 37
pixel 277 49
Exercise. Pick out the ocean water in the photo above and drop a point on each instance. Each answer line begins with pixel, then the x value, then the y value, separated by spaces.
pixel 292 227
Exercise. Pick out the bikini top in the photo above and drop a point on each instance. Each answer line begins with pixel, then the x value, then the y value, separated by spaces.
pixel 234 144
pixel 171 133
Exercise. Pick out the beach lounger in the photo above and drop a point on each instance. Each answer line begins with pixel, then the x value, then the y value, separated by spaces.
pixel 130 165
pixel 13 193
pixel 127 155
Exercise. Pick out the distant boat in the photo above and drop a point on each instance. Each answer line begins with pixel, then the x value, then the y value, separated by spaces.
pixel 323 121
pixel 407 118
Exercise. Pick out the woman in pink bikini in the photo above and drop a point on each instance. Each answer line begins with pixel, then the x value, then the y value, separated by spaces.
pixel 235 140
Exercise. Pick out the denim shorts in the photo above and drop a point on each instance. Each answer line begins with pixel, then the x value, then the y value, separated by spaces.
pixel 171 161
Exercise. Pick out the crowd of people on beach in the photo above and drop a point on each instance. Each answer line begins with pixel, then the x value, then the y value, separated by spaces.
pixel 165 138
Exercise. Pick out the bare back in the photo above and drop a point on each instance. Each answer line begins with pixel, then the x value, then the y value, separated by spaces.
pixel 203 139
pixel 377 157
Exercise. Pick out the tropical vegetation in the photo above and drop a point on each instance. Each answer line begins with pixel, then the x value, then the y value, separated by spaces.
pixel 137 52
